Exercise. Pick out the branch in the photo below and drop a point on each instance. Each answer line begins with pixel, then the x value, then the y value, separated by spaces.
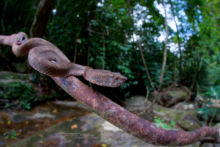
pixel 128 121
pixel 143 59
pixel 178 39
pixel 165 48
pixel 95 32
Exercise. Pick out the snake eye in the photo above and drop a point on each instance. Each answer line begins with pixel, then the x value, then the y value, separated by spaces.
pixel 23 38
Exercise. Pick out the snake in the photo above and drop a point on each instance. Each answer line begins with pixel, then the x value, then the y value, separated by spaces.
pixel 48 59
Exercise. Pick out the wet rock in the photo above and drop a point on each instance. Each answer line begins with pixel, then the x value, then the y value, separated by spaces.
pixel 217 125
pixel 185 119
pixel 91 130
pixel 136 103
pixel 184 106
pixel 171 95
pixel 54 140
pixel 4 118
pixel 75 126
pixel 26 123
pixel 70 104
pixel 41 115
pixel 2 143
pixel 210 145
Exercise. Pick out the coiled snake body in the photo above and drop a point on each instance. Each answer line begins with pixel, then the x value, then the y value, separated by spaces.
pixel 46 58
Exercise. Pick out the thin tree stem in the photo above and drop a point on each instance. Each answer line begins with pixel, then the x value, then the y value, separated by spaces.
pixel 165 48
pixel 143 59
pixel 178 38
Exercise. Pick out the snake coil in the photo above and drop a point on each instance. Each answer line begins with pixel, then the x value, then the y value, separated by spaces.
pixel 46 58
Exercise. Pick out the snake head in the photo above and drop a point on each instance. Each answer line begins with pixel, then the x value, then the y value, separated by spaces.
pixel 15 41
pixel 104 78
pixel 21 37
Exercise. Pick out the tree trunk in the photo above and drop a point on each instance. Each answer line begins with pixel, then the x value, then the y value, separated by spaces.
pixel 41 18
pixel 144 62
pixel 75 53
pixel 165 49
pixel 178 39
pixel 103 55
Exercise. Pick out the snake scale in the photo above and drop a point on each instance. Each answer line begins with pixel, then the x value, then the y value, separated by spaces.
pixel 46 58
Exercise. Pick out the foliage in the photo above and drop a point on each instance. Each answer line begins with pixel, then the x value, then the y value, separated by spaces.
pixel 208 113
pixel 15 16
pixel 162 124
pixel 10 135
pixel 20 90
pixel 209 94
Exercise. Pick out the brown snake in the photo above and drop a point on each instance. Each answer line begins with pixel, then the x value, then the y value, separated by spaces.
pixel 46 58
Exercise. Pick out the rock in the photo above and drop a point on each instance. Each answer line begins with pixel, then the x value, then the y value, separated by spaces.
pixel 136 104
pixel 54 140
pixel 87 129
pixel 74 104
pixel 26 123
pixel 41 115
pixel 184 119
pixel 217 125
pixel 91 130
pixel 184 106
pixel 210 145
pixel 4 118
pixel 171 95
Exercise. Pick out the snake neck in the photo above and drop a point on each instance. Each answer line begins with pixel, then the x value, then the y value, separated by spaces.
pixel 77 70
pixel 8 40
pixel 3 39
pixel 24 48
